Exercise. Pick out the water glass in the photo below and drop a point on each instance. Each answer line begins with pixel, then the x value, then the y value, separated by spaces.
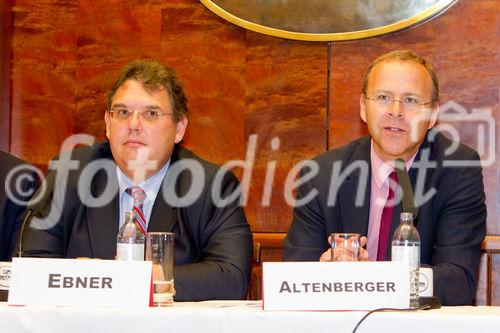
pixel 160 251
pixel 345 246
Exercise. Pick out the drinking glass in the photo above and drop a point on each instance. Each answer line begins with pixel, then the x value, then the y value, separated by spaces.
pixel 345 246
pixel 160 251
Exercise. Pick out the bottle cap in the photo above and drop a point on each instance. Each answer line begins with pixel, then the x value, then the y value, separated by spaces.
pixel 406 216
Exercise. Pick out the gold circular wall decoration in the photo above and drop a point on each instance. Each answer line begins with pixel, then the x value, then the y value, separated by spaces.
pixel 326 20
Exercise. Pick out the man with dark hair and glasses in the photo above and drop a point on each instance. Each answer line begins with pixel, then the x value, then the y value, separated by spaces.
pixel 167 185
pixel 350 190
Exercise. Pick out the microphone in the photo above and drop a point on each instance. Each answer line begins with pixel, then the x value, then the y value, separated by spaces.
pixel 35 206
pixel 408 205
pixel 407 196
pixel 27 218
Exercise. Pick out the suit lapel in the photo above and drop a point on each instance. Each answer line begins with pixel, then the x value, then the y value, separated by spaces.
pixel 164 215
pixel 426 154
pixel 355 218
pixel 103 221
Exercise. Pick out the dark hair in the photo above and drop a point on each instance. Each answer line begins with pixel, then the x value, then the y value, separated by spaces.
pixel 405 55
pixel 154 77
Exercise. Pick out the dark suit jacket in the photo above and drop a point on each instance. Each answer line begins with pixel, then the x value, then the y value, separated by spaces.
pixel 452 224
pixel 11 213
pixel 213 245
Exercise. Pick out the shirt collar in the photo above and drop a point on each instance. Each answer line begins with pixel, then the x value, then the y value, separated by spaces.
pixel 382 170
pixel 150 185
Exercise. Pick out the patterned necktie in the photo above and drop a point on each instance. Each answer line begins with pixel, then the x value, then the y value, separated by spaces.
pixel 385 220
pixel 139 196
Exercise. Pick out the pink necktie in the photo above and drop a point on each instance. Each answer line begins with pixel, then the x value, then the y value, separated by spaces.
pixel 385 220
pixel 139 196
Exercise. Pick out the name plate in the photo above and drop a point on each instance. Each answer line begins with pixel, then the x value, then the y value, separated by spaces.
pixel 71 282
pixel 5 273
pixel 335 285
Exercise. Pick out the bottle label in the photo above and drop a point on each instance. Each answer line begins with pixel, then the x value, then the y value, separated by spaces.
pixel 129 251
pixel 410 254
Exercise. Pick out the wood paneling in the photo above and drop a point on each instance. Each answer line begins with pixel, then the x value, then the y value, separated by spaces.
pixel 43 77
pixel 209 55
pixel 272 240
pixel 240 85
pixel 5 55
pixel 109 35
pixel 491 249
pixel 285 102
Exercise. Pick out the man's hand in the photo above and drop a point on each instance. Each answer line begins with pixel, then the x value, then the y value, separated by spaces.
pixel 363 254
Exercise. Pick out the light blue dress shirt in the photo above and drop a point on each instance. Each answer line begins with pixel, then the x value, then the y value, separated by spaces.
pixel 151 186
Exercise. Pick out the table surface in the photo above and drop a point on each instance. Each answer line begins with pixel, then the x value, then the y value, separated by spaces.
pixel 240 317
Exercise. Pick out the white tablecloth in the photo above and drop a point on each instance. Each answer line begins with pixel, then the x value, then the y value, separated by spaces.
pixel 240 317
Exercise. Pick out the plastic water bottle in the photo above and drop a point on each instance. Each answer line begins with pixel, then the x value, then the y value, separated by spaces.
pixel 406 247
pixel 130 240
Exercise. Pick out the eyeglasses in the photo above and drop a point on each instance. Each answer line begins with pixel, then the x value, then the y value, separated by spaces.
pixel 409 103
pixel 124 113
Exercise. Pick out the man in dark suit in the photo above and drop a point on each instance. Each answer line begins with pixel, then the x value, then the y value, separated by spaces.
pixel 349 191
pixel 145 121
pixel 19 183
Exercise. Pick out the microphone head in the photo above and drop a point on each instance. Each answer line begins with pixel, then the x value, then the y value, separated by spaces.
pixel 400 164
pixel 408 196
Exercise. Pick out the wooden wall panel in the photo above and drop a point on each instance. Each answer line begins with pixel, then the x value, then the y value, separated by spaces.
pixel 491 247
pixel 267 254
pixel 109 35
pixel 209 55
pixel 285 102
pixel 5 57
pixel 43 77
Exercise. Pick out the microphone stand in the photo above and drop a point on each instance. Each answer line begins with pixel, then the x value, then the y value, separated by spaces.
pixel 407 197
pixel 4 294
pixel 27 218
pixel 408 204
